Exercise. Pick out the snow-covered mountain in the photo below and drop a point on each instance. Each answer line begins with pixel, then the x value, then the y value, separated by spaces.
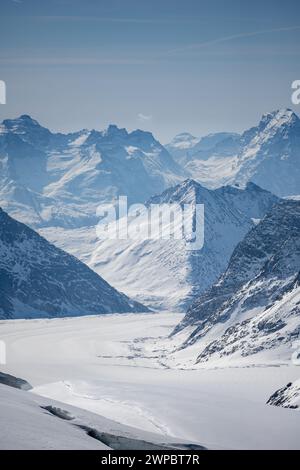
pixel 166 274
pixel 254 306
pixel 39 280
pixel 52 179
pixel 180 146
pixel 220 143
pixel 268 155
pixel 185 147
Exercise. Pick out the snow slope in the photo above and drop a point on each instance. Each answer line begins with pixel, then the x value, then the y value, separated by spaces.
pixel 166 274
pixel 37 279
pixel 33 422
pixel 25 425
pixel 253 309
pixel 109 365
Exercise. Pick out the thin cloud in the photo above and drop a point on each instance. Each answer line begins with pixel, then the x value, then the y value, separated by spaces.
pixel 144 117
pixel 103 19
pixel 233 37
pixel 72 61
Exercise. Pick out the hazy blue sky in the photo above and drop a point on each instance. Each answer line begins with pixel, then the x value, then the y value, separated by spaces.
pixel 166 66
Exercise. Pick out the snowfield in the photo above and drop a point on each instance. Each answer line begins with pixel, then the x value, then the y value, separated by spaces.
pixel 106 368
pixel 29 421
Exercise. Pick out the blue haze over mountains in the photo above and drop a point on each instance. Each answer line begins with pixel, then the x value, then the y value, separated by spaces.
pixel 60 179
pixel 54 183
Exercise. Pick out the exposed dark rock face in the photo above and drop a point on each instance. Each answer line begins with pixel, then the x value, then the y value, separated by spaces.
pixel 256 302
pixel 39 280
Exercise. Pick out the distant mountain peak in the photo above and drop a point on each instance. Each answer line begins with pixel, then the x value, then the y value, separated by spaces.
pixel 28 129
pixel 141 134
pixel 254 187
pixel 248 186
pixel 23 120
pixel 187 135
pixel 181 143
pixel 190 186
pixel 278 117
pixel 190 183
pixel 25 117
pixel 114 131
pixel 184 192
pixel 184 137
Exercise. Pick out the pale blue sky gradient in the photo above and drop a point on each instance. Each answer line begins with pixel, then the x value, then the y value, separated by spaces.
pixel 165 66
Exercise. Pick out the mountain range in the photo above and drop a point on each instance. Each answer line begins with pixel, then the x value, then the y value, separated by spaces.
pixel 55 182
pixel 267 154
pixel 50 179
pixel 54 179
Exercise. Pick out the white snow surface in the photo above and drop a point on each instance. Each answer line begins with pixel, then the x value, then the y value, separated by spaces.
pixel 25 425
pixel 114 367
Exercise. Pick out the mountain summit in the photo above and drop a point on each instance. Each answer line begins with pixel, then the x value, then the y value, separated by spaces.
pixel 165 273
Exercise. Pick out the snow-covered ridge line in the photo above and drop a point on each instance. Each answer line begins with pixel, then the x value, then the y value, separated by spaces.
pixel 267 154
pixel 254 306
pixel 55 179
pixel 41 280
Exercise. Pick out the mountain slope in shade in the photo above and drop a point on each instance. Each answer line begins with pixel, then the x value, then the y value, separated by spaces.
pixel 39 280
pixel 254 306
pixel 268 155
pixel 165 274
pixel 50 179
